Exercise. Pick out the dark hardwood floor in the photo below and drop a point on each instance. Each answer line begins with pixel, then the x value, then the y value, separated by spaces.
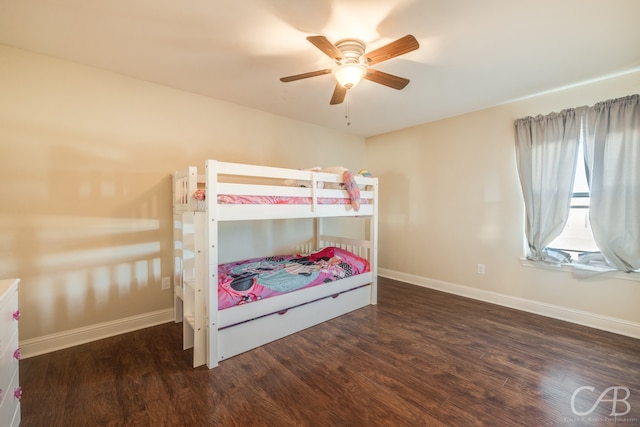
pixel 420 357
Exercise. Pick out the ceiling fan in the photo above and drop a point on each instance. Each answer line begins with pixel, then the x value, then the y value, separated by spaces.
pixel 353 63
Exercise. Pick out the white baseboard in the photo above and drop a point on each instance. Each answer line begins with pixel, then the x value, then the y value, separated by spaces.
pixel 49 343
pixel 592 320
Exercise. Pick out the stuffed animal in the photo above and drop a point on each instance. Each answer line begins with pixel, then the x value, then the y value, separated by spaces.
pixel 353 189
pixel 364 172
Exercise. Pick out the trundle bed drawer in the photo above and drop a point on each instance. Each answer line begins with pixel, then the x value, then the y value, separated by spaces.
pixel 245 336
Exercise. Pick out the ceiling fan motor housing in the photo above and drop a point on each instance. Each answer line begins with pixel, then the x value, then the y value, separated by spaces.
pixel 351 49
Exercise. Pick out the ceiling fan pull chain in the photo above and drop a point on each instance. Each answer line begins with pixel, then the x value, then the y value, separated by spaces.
pixel 347 115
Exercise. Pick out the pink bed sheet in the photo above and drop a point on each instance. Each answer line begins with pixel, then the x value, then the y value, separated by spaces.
pixel 230 199
pixel 281 200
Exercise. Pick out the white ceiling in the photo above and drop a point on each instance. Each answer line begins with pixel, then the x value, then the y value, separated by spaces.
pixel 473 54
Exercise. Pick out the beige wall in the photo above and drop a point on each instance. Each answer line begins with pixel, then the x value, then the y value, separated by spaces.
pixel 85 211
pixel 85 164
pixel 450 199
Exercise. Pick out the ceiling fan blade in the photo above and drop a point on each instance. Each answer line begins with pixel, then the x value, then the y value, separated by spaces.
pixel 338 95
pixel 386 79
pixel 305 75
pixel 399 47
pixel 329 49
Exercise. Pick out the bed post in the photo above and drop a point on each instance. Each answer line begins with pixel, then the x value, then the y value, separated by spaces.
pixel 199 290
pixel 373 236
pixel 317 232
pixel 211 253
pixel 178 237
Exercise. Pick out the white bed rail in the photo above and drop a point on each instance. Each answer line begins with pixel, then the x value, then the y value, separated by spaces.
pixel 252 180
pixel 362 248
pixel 185 184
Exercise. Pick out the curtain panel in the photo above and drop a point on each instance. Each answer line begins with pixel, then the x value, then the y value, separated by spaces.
pixel 612 159
pixel 546 152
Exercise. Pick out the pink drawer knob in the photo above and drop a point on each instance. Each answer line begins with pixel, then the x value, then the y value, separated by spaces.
pixel 17 354
pixel 18 393
pixel 16 315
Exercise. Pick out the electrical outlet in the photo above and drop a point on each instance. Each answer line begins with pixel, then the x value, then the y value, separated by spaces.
pixel 166 283
pixel 481 269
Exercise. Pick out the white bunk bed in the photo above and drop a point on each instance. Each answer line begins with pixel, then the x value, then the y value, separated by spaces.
pixel 216 334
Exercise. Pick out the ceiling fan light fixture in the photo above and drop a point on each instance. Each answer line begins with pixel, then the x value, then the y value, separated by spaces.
pixel 350 74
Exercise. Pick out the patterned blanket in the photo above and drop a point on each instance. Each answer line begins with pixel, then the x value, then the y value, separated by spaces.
pixel 243 282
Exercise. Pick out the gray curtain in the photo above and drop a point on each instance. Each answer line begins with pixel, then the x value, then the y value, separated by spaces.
pixel 546 151
pixel 612 155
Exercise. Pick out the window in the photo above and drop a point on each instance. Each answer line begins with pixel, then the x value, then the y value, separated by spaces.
pixel 577 238
pixel 546 149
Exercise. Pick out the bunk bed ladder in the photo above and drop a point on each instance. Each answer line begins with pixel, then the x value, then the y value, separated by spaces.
pixel 183 184
pixel 193 307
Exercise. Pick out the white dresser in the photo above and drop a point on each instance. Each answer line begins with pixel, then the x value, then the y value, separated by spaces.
pixel 10 391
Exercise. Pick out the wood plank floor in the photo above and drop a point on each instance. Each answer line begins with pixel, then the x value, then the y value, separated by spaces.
pixel 420 357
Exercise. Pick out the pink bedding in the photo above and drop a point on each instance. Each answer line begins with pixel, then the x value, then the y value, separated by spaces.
pixel 243 282
pixel 280 200
pixel 230 199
